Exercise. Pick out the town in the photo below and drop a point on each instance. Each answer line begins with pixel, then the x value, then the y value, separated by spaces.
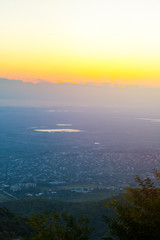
pixel 78 173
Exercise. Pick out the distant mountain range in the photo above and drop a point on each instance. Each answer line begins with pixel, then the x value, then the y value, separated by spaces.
pixel 18 93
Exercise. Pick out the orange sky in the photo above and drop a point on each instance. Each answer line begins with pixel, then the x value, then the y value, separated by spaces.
pixel 81 41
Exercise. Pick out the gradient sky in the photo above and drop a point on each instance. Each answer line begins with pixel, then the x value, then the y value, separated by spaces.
pixel 81 41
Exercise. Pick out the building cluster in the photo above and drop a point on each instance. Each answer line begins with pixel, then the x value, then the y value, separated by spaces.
pixel 44 174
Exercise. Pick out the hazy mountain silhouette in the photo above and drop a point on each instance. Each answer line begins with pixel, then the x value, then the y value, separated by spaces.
pixel 18 93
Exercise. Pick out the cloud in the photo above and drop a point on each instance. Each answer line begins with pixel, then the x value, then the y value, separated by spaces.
pixel 19 93
pixel 39 81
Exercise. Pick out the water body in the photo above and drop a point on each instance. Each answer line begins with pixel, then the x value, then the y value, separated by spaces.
pixel 58 130
pixel 64 125
pixel 154 120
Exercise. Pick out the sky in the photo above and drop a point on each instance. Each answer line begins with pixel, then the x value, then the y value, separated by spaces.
pixel 81 41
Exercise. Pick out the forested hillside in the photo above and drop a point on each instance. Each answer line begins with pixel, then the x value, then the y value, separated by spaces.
pixel 93 210
pixel 12 225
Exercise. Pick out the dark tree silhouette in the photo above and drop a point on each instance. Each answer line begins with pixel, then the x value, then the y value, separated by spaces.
pixel 138 216
pixel 53 226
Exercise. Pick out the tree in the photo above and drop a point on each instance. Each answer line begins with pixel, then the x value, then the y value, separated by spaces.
pixel 53 226
pixel 138 215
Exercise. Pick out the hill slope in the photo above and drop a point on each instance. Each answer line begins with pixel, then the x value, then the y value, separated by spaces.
pixel 94 210
pixel 12 225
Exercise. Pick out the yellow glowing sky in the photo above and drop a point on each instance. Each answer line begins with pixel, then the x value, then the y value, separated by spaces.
pixel 81 41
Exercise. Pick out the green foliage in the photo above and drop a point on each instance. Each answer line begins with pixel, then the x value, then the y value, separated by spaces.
pixel 12 226
pixel 94 210
pixel 53 226
pixel 138 215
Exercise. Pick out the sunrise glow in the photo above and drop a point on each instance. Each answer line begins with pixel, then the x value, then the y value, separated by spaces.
pixel 96 42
